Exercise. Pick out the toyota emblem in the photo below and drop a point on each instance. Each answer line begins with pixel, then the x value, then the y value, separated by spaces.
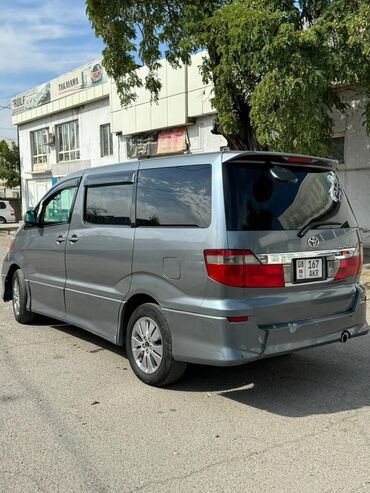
pixel 313 241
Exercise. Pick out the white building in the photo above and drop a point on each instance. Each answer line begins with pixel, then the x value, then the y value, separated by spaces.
pixel 76 121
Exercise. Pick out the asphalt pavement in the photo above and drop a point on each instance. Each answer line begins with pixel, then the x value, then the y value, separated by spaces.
pixel 74 418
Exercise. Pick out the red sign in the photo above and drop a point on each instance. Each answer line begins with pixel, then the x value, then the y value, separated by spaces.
pixel 172 141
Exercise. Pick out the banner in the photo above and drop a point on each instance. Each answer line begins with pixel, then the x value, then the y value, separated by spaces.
pixel 79 79
pixel 172 141
pixel 74 81
pixel 143 145
pixel 31 99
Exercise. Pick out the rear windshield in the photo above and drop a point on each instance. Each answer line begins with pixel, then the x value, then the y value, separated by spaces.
pixel 255 200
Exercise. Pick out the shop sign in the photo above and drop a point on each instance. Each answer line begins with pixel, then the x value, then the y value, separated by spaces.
pixel 82 78
pixel 31 99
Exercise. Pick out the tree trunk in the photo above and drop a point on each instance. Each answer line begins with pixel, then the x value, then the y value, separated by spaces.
pixel 245 138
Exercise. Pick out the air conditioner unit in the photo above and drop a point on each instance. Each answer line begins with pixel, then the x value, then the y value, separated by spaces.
pixel 51 139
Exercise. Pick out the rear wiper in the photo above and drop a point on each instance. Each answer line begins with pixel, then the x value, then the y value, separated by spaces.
pixel 313 224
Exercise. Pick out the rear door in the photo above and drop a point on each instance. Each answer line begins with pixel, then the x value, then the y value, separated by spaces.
pixel 295 218
pixel 99 251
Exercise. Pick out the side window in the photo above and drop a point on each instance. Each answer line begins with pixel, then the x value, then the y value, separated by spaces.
pixel 2 205
pixel 58 207
pixel 106 140
pixel 179 196
pixel 108 204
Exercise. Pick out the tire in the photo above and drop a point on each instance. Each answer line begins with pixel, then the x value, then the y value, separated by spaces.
pixel 19 299
pixel 149 347
pixel 2 220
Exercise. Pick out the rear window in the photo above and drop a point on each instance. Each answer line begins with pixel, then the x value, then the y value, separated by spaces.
pixel 2 205
pixel 178 196
pixel 257 201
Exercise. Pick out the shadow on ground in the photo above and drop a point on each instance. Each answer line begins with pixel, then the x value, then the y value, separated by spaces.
pixel 323 380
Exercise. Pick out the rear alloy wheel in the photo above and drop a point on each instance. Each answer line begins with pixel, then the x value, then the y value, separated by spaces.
pixel 149 347
pixel 2 220
pixel 19 298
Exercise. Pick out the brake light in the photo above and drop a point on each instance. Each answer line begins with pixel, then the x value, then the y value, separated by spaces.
pixel 236 320
pixel 350 266
pixel 240 268
pixel 12 213
pixel 299 160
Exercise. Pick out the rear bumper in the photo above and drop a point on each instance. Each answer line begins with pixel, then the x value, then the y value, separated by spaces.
pixel 213 340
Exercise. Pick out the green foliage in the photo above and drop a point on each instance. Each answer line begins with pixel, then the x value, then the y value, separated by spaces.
pixel 275 64
pixel 9 164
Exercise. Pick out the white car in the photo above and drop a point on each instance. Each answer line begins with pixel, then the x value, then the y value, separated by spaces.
pixel 7 214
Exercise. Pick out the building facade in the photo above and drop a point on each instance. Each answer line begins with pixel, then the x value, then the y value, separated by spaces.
pixel 76 121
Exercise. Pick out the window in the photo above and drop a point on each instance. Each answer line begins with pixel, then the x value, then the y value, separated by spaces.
pixel 39 146
pixel 338 149
pixel 109 204
pixel 106 143
pixel 57 208
pixel 2 205
pixel 256 201
pixel 68 141
pixel 179 196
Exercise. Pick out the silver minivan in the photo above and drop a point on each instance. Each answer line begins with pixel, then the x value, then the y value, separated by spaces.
pixel 7 213
pixel 219 259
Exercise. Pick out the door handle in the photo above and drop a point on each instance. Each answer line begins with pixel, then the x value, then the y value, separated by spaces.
pixel 60 239
pixel 73 239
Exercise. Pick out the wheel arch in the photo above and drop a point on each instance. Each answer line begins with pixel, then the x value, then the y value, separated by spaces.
pixel 129 307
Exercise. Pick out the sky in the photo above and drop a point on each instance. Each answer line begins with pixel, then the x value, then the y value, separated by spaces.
pixel 40 40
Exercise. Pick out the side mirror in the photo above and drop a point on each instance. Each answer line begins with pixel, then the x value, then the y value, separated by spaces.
pixel 30 217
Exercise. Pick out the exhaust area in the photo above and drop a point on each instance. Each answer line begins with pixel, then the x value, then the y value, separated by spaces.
pixel 345 336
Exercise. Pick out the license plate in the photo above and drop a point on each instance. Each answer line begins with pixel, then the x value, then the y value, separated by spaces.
pixel 309 269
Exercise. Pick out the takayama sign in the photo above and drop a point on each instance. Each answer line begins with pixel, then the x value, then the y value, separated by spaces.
pixel 31 99
pixel 79 79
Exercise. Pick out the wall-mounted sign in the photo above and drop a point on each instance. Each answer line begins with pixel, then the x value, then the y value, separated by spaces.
pixel 31 99
pixel 74 81
pixel 171 141
pixel 79 79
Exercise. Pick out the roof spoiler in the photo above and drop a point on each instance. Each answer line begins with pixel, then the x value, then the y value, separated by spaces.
pixel 278 158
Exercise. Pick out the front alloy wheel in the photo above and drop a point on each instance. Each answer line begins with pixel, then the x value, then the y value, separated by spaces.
pixel 19 298
pixel 16 297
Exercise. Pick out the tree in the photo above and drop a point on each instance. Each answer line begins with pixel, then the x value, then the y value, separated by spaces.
pixel 9 164
pixel 275 64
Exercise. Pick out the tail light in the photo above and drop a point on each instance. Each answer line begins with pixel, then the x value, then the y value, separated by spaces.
pixel 350 266
pixel 12 213
pixel 240 268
